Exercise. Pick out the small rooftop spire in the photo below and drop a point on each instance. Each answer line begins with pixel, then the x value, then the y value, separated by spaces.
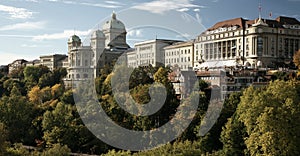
pixel 113 16
pixel 259 11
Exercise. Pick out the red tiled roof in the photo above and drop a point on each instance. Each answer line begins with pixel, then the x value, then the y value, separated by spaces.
pixel 287 20
pixel 240 22
pixel 227 23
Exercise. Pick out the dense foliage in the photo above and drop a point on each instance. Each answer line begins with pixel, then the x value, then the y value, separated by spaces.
pixel 38 116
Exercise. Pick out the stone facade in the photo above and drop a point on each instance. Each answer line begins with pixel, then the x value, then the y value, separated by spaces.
pixel 180 54
pixel 52 61
pixel 149 52
pixel 105 47
pixel 251 43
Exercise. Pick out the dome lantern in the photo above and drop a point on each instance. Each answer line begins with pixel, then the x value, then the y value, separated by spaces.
pixel 113 23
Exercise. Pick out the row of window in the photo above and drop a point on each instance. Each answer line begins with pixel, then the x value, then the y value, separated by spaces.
pixel 177 52
pixel 78 76
pixel 178 60
pixel 145 55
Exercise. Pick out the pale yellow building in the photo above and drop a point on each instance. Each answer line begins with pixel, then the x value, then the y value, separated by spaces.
pixel 52 61
pixel 180 54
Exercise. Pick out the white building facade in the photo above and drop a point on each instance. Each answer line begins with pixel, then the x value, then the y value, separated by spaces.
pixel 149 52
pixel 180 54
pixel 106 46
pixel 250 43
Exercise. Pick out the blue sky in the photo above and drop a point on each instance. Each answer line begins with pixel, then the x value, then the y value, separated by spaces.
pixel 30 28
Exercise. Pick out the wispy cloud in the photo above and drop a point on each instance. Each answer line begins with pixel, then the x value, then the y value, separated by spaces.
pixel 101 5
pixel 114 2
pixel 16 36
pixel 183 9
pixel 161 6
pixel 35 1
pixel 16 13
pixel 197 10
pixel 23 26
pixel 135 33
pixel 29 46
pixel 63 35
pixel 106 4
pixel 185 36
pixel 198 18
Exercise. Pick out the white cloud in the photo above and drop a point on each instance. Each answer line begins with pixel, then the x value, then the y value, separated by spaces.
pixel 107 4
pixel 34 45
pixel 135 33
pixel 184 36
pixel 23 26
pixel 29 46
pixel 100 5
pixel 64 35
pixel 113 2
pixel 35 1
pixel 197 10
pixel 16 36
pixel 69 2
pixel 16 13
pixel 183 9
pixel 161 6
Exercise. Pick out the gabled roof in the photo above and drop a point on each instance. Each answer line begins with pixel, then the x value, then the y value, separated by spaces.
pixel 241 23
pixel 287 20
pixel 228 23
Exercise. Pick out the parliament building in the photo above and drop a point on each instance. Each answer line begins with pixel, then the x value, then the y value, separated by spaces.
pixel 106 45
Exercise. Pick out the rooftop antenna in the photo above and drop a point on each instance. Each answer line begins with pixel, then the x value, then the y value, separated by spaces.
pixel 259 9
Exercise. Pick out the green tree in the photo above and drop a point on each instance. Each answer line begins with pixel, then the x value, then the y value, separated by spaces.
pixel 10 83
pixel 35 72
pixel 51 78
pixel 18 150
pixel 59 74
pixel 17 113
pixel 46 80
pixel 32 74
pixel 232 137
pixel 57 150
pixel 67 97
pixel 3 139
pixel 64 126
pixel 271 117
pixel 140 76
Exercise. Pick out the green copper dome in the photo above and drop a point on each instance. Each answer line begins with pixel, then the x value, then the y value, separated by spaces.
pixel 74 38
